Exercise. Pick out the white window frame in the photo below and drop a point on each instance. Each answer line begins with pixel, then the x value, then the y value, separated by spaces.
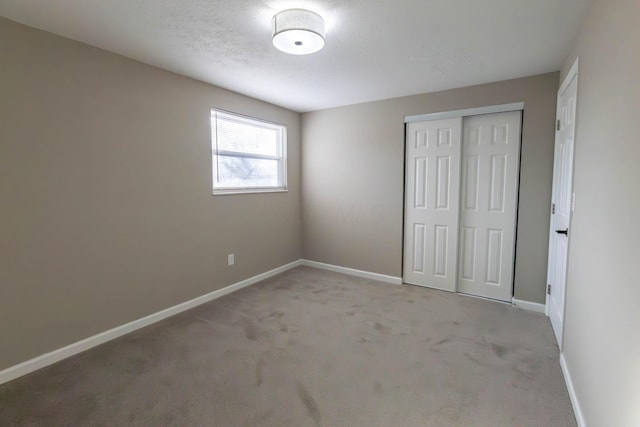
pixel 281 157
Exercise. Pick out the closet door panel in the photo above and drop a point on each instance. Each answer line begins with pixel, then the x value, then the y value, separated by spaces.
pixel 491 153
pixel 432 203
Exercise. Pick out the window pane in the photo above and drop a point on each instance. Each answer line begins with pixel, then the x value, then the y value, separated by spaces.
pixel 242 172
pixel 236 135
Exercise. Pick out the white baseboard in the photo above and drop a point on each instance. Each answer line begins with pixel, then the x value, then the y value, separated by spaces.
pixel 577 410
pixel 54 356
pixel 353 272
pixel 528 305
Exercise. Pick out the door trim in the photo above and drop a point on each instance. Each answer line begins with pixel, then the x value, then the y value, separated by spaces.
pixel 502 108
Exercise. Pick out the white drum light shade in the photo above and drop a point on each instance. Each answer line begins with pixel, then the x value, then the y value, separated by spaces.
pixel 298 31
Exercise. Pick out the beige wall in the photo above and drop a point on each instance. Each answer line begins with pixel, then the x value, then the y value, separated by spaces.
pixel 602 318
pixel 105 187
pixel 353 166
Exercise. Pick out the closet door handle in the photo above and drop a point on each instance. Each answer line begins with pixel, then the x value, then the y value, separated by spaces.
pixel 565 232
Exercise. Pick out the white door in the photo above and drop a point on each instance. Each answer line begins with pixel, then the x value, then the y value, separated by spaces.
pixel 490 165
pixel 432 202
pixel 561 200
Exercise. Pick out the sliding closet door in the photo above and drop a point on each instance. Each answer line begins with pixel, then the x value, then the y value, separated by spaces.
pixel 432 203
pixel 490 164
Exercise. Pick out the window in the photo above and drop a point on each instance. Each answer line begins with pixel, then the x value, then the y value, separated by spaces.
pixel 249 155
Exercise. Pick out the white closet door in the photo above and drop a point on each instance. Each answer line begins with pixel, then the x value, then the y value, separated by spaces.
pixel 432 203
pixel 490 164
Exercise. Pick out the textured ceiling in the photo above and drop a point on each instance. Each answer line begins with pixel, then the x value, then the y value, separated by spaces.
pixel 375 49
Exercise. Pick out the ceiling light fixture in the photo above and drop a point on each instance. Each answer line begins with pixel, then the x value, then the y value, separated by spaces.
pixel 298 31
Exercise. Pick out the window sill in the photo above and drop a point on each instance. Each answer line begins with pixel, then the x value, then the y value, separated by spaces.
pixel 249 191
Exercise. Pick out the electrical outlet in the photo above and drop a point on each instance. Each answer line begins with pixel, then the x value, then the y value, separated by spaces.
pixel 231 259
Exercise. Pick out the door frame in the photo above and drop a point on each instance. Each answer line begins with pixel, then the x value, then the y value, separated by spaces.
pixel 571 75
pixel 462 113
pixel 501 108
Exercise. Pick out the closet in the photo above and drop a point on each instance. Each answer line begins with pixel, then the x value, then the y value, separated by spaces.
pixel 461 196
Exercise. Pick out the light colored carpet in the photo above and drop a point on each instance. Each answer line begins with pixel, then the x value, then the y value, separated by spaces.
pixel 311 348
